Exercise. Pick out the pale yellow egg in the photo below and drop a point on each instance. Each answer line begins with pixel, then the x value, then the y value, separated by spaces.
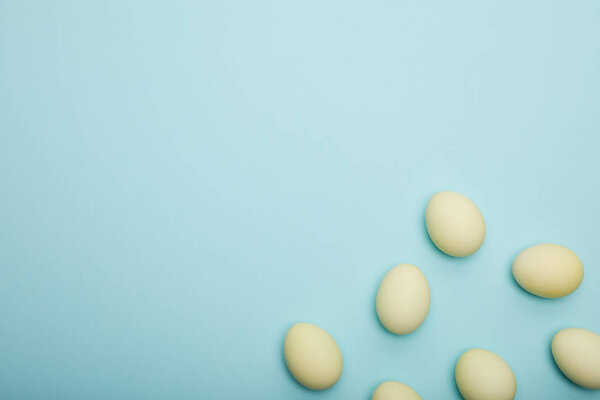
pixel 482 375
pixel 403 297
pixel 577 354
pixel 548 270
pixel 312 356
pixel 455 224
pixel 392 390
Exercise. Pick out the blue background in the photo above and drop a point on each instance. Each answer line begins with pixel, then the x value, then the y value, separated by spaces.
pixel 180 182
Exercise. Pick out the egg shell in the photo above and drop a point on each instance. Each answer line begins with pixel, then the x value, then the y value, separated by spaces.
pixel 576 351
pixel 455 224
pixel 403 297
pixel 312 356
pixel 483 375
pixel 548 270
pixel 393 390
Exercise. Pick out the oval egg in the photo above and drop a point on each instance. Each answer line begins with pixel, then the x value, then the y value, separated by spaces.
pixel 482 375
pixel 392 390
pixel 312 356
pixel 548 270
pixel 454 224
pixel 402 301
pixel 577 354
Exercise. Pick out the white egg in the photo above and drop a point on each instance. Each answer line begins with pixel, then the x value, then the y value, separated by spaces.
pixel 312 356
pixel 482 375
pixel 548 270
pixel 577 354
pixel 392 390
pixel 455 224
pixel 403 299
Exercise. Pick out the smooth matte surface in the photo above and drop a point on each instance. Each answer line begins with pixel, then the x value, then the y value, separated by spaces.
pixel 402 300
pixel 576 352
pixel 454 224
pixel 548 270
pixel 394 390
pixel 312 356
pixel 180 182
pixel 483 375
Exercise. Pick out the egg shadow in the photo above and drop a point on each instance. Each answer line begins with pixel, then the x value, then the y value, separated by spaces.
pixel 453 377
pixel 425 233
pixel 373 305
pixel 373 387
pixel 513 281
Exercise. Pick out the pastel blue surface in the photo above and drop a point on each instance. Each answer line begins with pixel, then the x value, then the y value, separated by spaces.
pixel 180 182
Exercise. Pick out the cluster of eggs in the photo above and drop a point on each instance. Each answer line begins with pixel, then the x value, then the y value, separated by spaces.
pixel 456 226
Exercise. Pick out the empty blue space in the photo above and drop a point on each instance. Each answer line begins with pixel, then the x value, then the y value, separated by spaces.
pixel 181 181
